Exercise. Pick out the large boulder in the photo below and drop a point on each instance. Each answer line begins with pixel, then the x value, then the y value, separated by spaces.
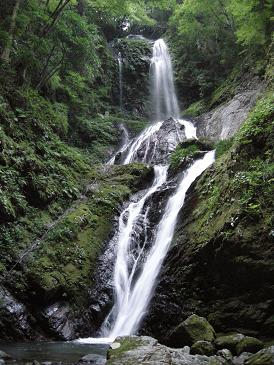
pixel 229 342
pixel 202 348
pixel 249 344
pixel 193 329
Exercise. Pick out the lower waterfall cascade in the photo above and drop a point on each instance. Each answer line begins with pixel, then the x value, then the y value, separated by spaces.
pixel 139 256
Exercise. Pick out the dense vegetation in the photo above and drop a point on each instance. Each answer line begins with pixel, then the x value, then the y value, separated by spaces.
pixel 213 38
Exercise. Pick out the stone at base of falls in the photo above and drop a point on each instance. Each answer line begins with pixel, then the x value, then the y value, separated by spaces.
pixel 193 329
pixel 229 342
pixel 146 350
pixel 263 357
pixel 93 359
pixel 202 348
pixel 249 344
pixel 4 355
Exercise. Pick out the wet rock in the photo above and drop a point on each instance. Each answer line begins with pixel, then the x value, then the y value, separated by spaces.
pixel 146 350
pixel 225 354
pixel 263 357
pixel 93 359
pixel 14 318
pixel 193 329
pixel 249 344
pixel 4 355
pixel 115 345
pixel 157 148
pixel 202 348
pixel 229 342
pixel 240 360
pixel 57 317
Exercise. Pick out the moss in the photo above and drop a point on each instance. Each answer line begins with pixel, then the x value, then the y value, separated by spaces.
pixel 195 109
pixel 222 147
pixel 249 344
pixel 127 344
pixel 180 153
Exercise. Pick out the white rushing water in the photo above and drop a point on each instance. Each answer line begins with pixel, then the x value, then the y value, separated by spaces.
pixel 126 305
pixel 164 100
pixel 133 299
pixel 120 63
pixel 138 262
pixel 143 137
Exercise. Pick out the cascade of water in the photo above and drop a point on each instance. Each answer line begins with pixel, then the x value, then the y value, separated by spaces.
pixel 120 63
pixel 132 302
pixel 124 273
pixel 164 100
pixel 134 275
pixel 143 137
pixel 163 97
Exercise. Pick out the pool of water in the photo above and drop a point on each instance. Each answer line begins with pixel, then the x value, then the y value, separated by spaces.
pixel 65 352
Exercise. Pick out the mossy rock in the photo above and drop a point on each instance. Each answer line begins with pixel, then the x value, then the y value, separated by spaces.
pixel 263 357
pixel 229 342
pixel 127 344
pixel 193 329
pixel 249 344
pixel 202 348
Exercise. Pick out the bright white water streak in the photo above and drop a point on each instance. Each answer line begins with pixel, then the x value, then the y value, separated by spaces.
pixel 144 137
pixel 164 100
pixel 120 63
pixel 134 307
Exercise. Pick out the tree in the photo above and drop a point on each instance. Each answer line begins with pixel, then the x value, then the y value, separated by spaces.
pixel 5 56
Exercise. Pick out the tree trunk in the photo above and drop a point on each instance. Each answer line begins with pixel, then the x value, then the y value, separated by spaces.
pixel 5 56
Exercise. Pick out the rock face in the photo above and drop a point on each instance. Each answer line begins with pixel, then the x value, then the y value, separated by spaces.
pixel 224 121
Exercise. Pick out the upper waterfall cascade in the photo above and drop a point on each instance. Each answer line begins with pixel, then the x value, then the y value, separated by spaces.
pixel 120 63
pixel 140 252
pixel 164 100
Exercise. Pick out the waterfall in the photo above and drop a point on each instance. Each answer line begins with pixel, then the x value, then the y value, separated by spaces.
pixel 138 260
pixel 120 63
pixel 127 266
pixel 132 299
pixel 164 100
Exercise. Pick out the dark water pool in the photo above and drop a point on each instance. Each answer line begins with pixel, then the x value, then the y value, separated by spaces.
pixel 65 352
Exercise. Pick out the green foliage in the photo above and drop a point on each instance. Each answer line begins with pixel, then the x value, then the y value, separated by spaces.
pixel 195 109
pixel 181 153
pixel 223 146
pixel 209 38
pixel 252 20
